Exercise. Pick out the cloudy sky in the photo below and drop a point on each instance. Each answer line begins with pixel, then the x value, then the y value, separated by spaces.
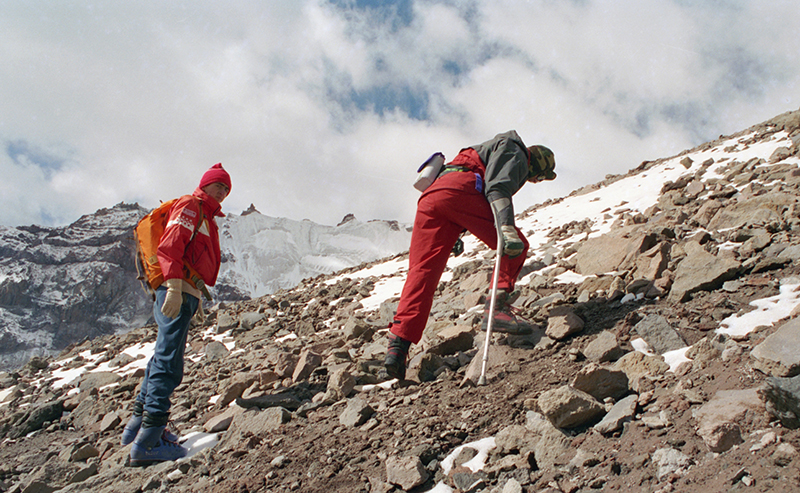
pixel 322 108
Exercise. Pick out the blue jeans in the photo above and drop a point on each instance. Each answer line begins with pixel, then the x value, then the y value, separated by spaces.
pixel 164 371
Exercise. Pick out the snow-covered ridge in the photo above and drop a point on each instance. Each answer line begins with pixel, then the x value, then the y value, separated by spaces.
pixel 262 254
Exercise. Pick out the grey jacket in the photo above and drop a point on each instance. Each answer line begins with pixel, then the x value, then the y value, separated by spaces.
pixel 506 160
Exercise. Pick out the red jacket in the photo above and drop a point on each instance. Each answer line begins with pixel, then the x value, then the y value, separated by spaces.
pixel 202 253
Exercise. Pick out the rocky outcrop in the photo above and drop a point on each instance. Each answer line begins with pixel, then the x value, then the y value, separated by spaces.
pixel 62 285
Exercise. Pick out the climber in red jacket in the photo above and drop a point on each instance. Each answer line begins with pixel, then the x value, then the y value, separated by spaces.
pixel 190 237
pixel 481 178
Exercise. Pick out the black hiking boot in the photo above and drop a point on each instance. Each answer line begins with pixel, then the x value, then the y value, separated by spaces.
pixel 396 356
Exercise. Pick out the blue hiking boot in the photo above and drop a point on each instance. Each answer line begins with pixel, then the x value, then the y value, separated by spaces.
pixel 131 429
pixel 133 425
pixel 151 446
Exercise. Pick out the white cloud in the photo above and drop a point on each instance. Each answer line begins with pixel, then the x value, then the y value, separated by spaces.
pixel 320 110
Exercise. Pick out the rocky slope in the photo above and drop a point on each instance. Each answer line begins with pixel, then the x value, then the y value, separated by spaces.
pixel 665 358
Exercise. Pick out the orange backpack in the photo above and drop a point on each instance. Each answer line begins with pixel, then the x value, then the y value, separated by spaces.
pixel 147 234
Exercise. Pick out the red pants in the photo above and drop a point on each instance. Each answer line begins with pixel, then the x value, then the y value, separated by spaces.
pixel 450 205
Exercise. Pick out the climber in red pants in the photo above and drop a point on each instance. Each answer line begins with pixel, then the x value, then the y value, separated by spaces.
pixel 480 178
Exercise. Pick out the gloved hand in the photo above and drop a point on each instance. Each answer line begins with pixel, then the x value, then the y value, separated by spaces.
pixel 512 244
pixel 174 299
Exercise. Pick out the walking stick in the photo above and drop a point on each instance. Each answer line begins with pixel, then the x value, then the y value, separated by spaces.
pixel 495 278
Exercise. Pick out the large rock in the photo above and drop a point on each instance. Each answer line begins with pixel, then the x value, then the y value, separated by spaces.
pixel 659 334
pixel 779 354
pixel 97 380
pixel 355 328
pixel 607 252
pixel 754 211
pixel 232 388
pixel 405 472
pixel 308 362
pixel 356 413
pixel 601 382
pixel 222 421
pixel 44 413
pixel 718 420
pixel 215 351
pixel 622 412
pixel 604 347
pixel 638 366
pixel 250 319
pixel 701 271
pixel 340 385
pixel 514 438
pixel 669 462
pixel 253 422
pixel 781 397
pixel 449 340
pixel 285 400
pixel 500 357
pixel 567 407
pixel 563 322
pixel 651 263
pixel 550 443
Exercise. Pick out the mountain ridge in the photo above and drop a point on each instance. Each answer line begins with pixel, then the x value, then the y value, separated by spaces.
pixel 61 285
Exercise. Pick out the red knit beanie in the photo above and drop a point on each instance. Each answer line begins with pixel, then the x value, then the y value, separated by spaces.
pixel 216 174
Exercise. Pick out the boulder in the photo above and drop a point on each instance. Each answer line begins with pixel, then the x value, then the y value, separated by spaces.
pixel 658 333
pixel 601 382
pixel 215 351
pixel 308 362
pixel 96 380
pixel 232 388
pixel 340 385
pixel 701 270
pixel 638 365
pixel 405 472
pixel 604 347
pixel 252 422
pixel 669 462
pixel 356 413
pixel 779 354
pixel 752 212
pixel 718 420
pixel 567 407
pixel 622 412
pixel 250 319
pixel 550 443
pixel 563 322
pixel 781 397
pixel 500 357
pixel 607 252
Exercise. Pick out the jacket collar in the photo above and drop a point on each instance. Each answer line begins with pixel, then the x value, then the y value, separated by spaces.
pixel 210 205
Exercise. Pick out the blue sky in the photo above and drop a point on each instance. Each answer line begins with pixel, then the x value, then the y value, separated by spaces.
pixel 323 108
